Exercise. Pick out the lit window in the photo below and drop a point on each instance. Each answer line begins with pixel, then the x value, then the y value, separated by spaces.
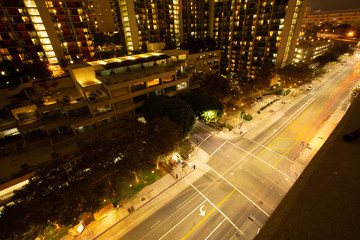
pixel 36 19
pixel 153 82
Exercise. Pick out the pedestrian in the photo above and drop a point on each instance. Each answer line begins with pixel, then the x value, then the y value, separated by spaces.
pixel 176 176
pixel 194 166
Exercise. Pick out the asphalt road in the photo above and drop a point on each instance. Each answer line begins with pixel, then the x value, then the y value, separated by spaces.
pixel 248 176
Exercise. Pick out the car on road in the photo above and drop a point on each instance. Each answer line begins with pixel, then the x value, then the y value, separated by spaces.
pixel 259 98
pixel 309 88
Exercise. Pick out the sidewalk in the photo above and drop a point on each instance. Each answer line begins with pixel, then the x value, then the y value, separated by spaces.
pixel 148 200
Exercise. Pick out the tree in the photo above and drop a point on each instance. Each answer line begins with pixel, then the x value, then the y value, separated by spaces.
pixel 293 74
pixel 311 30
pixel 170 43
pixel 178 111
pixel 205 107
pixel 10 74
pixel 263 77
pixel 215 85
pixel 163 137
pixel 326 58
pixel 38 69
pixel 101 39
pixel 116 39
pixel 342 29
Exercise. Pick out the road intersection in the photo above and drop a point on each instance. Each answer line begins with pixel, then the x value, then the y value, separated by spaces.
pixel 232 195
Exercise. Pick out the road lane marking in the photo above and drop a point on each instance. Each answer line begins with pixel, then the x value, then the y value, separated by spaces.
pixel 155 224
pixel 322 109
pixel 198 136
pixel 202 212
pixel 215 229
pixel 279 148
pixel 298 111
pixel 182 220
pixel 215 208
pixel 240 192
pixel 312 100
pixel 217 149
pixel 263 162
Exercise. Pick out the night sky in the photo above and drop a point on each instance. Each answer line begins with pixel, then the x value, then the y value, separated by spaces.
pixel 333 4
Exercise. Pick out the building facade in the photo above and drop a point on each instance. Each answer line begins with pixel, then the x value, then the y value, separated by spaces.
pixel 254 33
pixel 310 49
pixel 56 32
pixel 351 17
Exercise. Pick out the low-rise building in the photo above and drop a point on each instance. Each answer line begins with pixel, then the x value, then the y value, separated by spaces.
pixel 309 49
pixel 96 94
pixel 207 62
pixel 338 17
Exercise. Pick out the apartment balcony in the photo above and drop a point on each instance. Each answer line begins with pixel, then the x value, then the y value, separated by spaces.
pixel 123 79
pixel 55 122
pixel 7 123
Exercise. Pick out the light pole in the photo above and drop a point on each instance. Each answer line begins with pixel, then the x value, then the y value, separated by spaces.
pixel 283 95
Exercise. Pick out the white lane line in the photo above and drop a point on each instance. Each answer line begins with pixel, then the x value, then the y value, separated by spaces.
pixel 198 136
pixel 204 140
pixel 184 202
pixel 215 228
pixel 212 204
pixel 156 223
pixel 240 192
pixel 319 92
pixel 262 161
pixel 207 138
pixel 274 152
pixel 195 209
pixel 217 149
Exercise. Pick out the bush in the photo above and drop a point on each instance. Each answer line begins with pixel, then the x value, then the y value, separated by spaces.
pixel 259 112
pixel 248 117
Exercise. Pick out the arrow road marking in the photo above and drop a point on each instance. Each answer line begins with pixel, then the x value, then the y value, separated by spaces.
pixel 202 212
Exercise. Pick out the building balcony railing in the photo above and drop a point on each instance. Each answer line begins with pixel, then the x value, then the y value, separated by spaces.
pixel 136 74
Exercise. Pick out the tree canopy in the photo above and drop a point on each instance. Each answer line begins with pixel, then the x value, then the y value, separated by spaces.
pixel 294 74
pixel 178 111
pixel 102 169
pixel 205 107
pixel 215 85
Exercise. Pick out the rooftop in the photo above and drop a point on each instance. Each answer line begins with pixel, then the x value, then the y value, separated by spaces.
pixel 319 12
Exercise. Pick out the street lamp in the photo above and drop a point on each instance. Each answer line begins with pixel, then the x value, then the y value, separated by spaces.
pixel 350 34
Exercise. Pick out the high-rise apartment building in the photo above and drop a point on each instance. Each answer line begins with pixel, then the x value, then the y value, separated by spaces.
pixel 252 33
pixel 157 21
pixel 52 31
pixel 104 16
pixel 195 20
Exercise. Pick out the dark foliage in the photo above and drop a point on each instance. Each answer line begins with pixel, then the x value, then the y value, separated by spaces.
pixel 201 103
pixel 178 111
pixel 65 189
